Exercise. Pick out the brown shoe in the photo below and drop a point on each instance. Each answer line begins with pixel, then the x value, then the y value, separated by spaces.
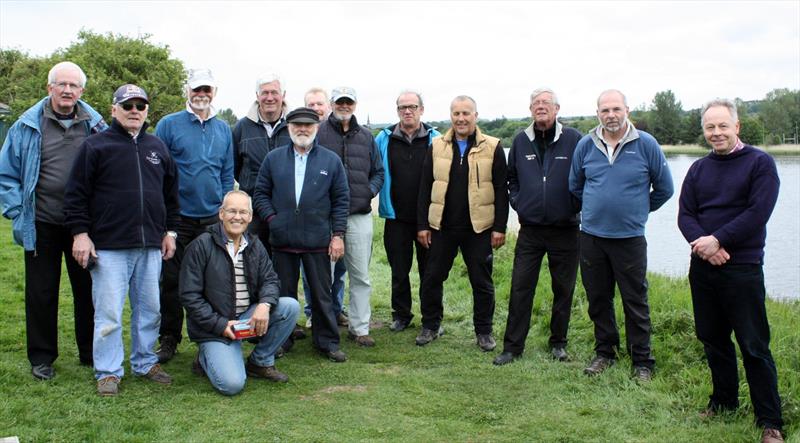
pixel 298 333
pixel 598 365
pixel 362 340
pixel 158 375
pixel 108 386
pixel 341 319
pixel 771 435
pixel 266 372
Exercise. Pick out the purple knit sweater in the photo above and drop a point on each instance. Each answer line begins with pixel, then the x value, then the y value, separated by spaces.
pixel 731 197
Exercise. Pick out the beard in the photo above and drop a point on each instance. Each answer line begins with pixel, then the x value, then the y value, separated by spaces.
pixel 303 141
pixel 200 103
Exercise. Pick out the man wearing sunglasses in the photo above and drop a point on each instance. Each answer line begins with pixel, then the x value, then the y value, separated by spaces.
pixel 37 155
pixel 202 147
pixel 120 203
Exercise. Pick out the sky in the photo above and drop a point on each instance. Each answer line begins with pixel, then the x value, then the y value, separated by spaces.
pixel 496 52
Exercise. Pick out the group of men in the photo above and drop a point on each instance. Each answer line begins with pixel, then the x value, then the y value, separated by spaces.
pixel 128 209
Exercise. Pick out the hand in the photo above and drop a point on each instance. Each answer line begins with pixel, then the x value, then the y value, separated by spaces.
pixel 424 238
pixel 720 258
pixel 167 247
pixel 82 248
pixel 705 247
pixel 336 248
pixel 228 331
pixel 498 239
pixel 260 319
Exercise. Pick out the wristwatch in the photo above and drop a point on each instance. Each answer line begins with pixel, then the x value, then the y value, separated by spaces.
pixel 172 234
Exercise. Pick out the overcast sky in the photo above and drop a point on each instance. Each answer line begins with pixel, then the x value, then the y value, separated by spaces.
pixel 496 52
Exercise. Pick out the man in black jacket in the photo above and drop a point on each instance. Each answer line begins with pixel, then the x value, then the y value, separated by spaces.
pixel 538 184
pixel 226 283
pixel 121 206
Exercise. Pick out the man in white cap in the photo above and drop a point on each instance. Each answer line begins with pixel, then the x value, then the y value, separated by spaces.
pixel 202 146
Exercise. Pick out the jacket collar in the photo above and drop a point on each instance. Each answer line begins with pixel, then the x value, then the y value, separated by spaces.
pixel 117 127
pixel 337 124
pixel 212 112
pixel 32 116
pixel 531 133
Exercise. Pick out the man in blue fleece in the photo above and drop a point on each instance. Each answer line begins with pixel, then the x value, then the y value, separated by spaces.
pixel 726 200
pixel 620 175
pixel 202 146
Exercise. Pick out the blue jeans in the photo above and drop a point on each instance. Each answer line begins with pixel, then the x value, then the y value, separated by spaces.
pixel 337 289
pixel 222 361
pixel 118 272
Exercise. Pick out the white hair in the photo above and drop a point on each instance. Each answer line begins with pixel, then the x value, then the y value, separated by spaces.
pixel 539 91
pixel 51 76
pixel 269 78
pixel 724 102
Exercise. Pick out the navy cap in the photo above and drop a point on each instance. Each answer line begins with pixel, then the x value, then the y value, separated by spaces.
pixel 302 115
pixel 128 92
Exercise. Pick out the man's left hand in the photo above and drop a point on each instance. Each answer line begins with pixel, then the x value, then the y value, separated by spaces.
pixel 336 248
pixel 260 319
pixel 167 247
pixel 705 247
pixel 498 239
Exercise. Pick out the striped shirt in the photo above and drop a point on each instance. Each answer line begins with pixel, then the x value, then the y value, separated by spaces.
pixel 242 295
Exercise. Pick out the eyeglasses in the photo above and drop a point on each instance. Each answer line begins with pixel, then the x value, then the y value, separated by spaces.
pixel 64 85
pixel 404 108
pixel 139 106
pixel 542 103
pixel 204 88
pixel 235 212
pixel 344 101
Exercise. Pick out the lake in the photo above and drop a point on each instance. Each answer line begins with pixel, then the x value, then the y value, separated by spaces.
pixel 668 252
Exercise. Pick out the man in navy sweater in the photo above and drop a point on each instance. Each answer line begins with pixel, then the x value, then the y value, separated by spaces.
pixel 726 200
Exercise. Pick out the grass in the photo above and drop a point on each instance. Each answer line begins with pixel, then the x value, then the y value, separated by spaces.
pixel 447 391
pixel 702 150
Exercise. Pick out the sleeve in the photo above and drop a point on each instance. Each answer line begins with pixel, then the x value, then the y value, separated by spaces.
pixel 577 177
pixel 78 191
pixel 424 197
pixel 11 174
pixel 340 199
pixel 376 171
pixel 171 193
pixel 162 132
pixel 688 221
pixel 500 183
pixel 191 288
pixel 270 286
pixel 262 196
pixel 513 181
pixel 237 153
pixel 226 177
pixel 660 177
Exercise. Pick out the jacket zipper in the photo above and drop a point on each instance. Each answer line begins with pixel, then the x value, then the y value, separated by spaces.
pixel 141 190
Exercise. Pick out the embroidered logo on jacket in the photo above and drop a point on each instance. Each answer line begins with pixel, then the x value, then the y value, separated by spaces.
pixel 530 156
pixel 153 158
pixel 323 172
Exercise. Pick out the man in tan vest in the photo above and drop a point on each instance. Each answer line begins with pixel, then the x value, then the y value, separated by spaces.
pixel 463 204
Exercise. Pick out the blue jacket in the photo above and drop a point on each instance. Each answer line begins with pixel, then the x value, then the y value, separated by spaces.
pixel 385 208
pixel 324 201
pixel 19 169
pixel 203 152
pixel 616 192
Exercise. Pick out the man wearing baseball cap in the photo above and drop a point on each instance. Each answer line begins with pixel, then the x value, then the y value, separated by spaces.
pixel 120 202
pixel 202 147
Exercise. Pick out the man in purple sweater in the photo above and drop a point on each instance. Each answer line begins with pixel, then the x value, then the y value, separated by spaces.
pixel 725 203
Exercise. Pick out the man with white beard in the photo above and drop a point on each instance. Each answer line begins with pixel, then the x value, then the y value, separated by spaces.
pixel 202 147
pixel 302 193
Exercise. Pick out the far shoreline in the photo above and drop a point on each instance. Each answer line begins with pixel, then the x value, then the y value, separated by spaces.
pixel 702 150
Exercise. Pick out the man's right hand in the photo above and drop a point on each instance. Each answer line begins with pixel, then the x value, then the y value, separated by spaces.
pixel 424 238
pixel 720 257
pixel 82 248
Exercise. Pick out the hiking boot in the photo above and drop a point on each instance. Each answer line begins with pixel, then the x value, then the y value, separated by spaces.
pixel 771 435
pixel 298 333
pixel 168 349
pixel 399 325
pixel 505 358
pixel 598 365
pixel 43 372
pixel 642 374
pixel 336 356
pixel 341 319
pixel 108 386
pixel 486 342
pixel 266 372
pixel 158 375
pixel 559 353
pixel 362 340
pixel 428 335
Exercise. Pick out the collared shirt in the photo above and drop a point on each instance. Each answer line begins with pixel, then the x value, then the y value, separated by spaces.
pixel 300 163
pixel 738 146
pixel 211 112
pixel 242 294
pixel 609 147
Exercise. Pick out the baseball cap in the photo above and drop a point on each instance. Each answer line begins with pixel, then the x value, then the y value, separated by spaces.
pixel 343 92
pixel 127 92
pixel 200 77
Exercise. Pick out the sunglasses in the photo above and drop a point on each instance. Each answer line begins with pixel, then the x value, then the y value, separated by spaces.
pixel 129 106
pixel 206 89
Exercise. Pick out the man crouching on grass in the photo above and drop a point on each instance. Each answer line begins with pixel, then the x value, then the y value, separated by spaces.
pixel 230 292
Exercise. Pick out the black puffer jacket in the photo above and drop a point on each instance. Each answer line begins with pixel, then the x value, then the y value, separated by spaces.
pixel 251 144
pixel 360 157
pixel 207 283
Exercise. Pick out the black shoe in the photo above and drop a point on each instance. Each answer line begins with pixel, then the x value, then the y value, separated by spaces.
pixel 598 365
pixel 197 368
pixel 336 356
pixel 399 325
pixel 505 358
pixel 559 353
pixel 486 342
pixel 428 335
pixel 642 374
pixel 43 372
pixel 168 349
pixel 298 333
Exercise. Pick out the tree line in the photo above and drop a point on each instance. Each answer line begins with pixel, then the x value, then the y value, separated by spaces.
pixel 110 60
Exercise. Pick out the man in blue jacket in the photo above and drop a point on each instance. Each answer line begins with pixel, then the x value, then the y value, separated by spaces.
pixel 726 200
pixel 538 182
pixel 36 158
pixel 120 201
pixel 620 175
pixel 202 147
pixel 403 148
pixel 302 193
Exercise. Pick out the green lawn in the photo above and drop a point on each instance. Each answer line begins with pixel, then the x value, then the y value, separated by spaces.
pixel 447 391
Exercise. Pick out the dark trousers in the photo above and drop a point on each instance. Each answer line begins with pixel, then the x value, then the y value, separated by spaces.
pixel 604 262
pixel 399 240
pixel 261 229
pixel 171 310
pixel 317 265
pixel 42 281
pixel 561 246
pixel 477 252
pixel 730 298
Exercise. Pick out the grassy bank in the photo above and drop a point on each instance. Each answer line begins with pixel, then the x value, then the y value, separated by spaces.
pixel 447 391
pixel 702 150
